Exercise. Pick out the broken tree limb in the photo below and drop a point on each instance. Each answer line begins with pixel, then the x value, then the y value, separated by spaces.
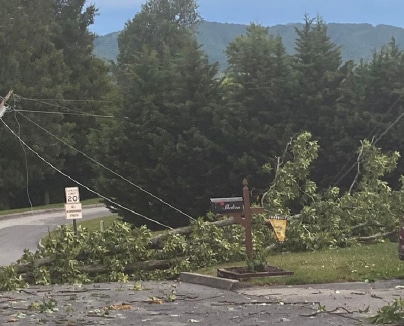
pixel 3 103
pixel 358 226
pixel 149 264
pixel 375 236
pixel 22 268
pixel 157 242
pixel 100 269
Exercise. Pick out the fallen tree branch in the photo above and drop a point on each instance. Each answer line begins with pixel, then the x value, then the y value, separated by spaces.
pixel 358 226
pixel 334 312
pixel 157 242
pixel 22 268
pixel 375 236
pixel 149 264
pixel 99 269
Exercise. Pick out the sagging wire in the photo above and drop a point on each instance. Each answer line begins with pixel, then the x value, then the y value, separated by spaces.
pixel 373 142
pixel 67 113
pixel 26 165
pixel 71 111
pixel 82 185
pixel 109 170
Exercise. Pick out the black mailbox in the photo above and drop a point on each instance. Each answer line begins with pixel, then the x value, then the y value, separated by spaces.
pixel 227 205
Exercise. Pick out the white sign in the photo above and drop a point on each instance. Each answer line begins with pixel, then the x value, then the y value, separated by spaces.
pixel 72 195
pixel 73 211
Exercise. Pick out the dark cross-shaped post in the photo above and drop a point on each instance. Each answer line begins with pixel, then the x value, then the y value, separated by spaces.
pixel 245 218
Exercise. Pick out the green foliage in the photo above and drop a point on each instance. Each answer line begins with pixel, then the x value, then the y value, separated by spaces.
pixel 32 66
pixel 168 139
pixel 256 93
pixel 332 218
pixel 47 54
pixel 326 220
pixel 209 245
pixel 390 314
pixel 10 280
pixel 186 135
pixel 120 246
pixel 47 305
pixel 291 177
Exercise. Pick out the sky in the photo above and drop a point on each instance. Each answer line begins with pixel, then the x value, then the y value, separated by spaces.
pixel 113 14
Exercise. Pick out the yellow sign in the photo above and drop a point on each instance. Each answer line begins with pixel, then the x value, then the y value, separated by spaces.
pixel 279 225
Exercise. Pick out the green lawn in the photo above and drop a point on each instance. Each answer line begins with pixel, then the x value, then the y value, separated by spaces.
pixel 94 224
pixel 362 263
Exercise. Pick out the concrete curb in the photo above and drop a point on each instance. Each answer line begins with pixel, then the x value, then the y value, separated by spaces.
pixel 207 280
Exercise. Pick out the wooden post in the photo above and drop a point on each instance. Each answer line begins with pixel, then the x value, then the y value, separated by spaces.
pixel 75 226
pixel 245 219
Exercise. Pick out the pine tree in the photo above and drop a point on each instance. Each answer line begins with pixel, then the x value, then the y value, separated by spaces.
pixel 381 98
pixel 166 143
pixel 34 68
pixel 259 83
pixel 47 54
pixel 320 77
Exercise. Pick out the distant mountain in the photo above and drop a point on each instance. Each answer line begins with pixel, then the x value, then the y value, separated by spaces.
pixel 357 41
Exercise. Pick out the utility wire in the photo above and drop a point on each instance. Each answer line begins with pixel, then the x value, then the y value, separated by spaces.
pixel 370 133
pixel 67 113
pixel 85 155
pixel 389 127
pixel 383 116
pixel 108 169
pixel 48 102
pixel 61 100
pixel 26 166
pixel 79 183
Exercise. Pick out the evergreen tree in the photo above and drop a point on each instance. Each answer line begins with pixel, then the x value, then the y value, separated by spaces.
pixel 32 66
pixel 47 54
pixel 320 77
pixel 259 82
pixel 381 98
pixel 89 89
pixel 167 141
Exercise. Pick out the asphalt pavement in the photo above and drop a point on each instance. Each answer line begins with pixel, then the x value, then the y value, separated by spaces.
pixel 24 230
pixel 347 303
pixel 178 303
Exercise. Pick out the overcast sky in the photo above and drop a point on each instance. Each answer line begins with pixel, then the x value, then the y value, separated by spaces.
pixel 113 14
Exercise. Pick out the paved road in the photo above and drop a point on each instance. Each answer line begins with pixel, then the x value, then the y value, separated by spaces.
pixel 19 232
pixel 154 304
pixel 172 303
pixel 353 301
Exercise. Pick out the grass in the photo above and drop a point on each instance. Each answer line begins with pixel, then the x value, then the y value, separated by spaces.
pixel 362 263
pixel 94 224
pixel 51 206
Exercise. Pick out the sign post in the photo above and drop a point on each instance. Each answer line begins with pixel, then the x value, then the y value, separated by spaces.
pixel 73 206
pixel 240 209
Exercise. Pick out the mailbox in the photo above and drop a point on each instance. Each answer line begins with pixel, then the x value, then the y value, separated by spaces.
pixel 227 205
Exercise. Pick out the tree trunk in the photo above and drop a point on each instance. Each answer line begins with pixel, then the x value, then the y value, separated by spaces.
pixel 47 197
pixel 4 199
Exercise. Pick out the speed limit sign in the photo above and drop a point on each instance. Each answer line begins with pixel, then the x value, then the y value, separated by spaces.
pixel 72 195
